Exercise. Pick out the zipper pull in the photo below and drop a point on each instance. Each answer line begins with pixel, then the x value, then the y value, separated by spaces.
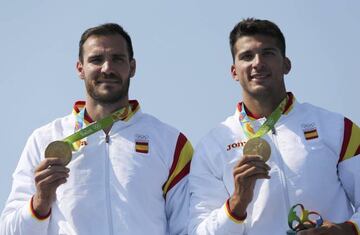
pixel 107 138
pixel 273 131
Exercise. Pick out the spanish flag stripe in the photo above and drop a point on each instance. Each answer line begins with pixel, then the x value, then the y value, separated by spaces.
pixel 142 143
pixel 134 108
pixel 179 146
pixel 142 147
pixel 185 157
pixel 354 142
pixel 311 137
pixel 182 159
pixel 347 134
pixel 142 151
pixel 310 132
pixel 289 104
pixel 185 171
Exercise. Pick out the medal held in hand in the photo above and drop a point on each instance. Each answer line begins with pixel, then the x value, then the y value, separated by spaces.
pixel 63 148
pixel 258 146
pixel 59 149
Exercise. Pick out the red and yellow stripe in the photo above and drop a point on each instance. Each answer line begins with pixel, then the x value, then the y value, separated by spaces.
pixel 351 142
pixel 142 147
pixel 181 163
pixel 312 134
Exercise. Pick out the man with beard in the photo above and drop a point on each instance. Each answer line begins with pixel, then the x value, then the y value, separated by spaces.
pixel 127 176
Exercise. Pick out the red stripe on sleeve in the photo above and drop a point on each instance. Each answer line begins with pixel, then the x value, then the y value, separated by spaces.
pixel 289 102
pixel 185 171
pixel 179 146
pixel 347 133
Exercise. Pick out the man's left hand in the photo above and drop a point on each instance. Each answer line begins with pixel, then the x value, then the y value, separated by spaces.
pixel 329 228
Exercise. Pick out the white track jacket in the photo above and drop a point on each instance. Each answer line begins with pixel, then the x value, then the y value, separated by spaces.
pixel 131 181
pixel 315 160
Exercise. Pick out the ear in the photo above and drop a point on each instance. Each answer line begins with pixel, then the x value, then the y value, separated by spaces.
pixel 287 65
pixel 80 70
pixel 132 67
pixel 233 73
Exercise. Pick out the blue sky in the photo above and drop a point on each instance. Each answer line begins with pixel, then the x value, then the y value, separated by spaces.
pixel 183 60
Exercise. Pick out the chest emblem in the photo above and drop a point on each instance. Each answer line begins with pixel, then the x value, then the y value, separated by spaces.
pixel 141 143
pixel 310 131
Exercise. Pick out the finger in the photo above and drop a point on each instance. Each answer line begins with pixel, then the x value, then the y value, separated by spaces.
pixel 46 179
pixel 261 165
pixel 49 162
pixel 52 169
pixel 251 159
pixel 251 172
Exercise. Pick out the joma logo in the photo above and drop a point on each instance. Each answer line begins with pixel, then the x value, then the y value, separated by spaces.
pixel 235 145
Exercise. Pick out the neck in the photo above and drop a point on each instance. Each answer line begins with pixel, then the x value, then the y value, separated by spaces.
pixel 262 106
pixel 98 111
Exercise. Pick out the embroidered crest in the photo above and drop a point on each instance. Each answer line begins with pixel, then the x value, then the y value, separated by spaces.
pixel 141 143
pixel 310 131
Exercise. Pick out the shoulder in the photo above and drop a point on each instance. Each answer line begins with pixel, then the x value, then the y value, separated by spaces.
pixel 158 127
pixel 222 133
pixel 55 130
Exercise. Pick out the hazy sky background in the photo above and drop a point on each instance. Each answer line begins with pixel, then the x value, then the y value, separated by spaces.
pixel 183 60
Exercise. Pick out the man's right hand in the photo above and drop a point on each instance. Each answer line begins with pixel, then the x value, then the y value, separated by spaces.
pixel 49 175
pixel 249 169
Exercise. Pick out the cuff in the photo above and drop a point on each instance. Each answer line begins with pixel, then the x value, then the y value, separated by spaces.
pixel 228 223
pixel 231 215
pixel 354 226
pixel 36 215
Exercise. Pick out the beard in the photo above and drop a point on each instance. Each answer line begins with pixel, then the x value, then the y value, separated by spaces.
pixel 113 95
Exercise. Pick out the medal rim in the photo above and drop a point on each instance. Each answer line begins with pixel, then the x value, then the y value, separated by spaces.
pixel 264 150
pixel 60 149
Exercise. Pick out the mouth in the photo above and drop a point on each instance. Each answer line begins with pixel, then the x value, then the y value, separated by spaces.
pixel 259 76
pixel 107 81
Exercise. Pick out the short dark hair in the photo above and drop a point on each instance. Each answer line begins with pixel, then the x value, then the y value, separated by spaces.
pixel 252 26
pixel 104 30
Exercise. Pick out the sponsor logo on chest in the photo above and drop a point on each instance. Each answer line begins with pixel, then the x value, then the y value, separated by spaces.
pixel 235 145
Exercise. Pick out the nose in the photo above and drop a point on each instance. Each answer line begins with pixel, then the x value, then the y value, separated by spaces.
pixel 106 67
pixel 258 62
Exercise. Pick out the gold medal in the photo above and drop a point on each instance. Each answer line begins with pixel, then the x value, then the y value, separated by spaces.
pixel 257 146
pixel 59 149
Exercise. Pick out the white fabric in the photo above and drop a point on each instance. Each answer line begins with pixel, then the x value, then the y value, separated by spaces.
pixel 302 171
pixel 112 189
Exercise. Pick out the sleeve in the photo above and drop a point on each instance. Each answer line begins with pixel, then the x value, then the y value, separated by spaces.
pixel 209 213
pixel 17 217
pixel 175 189
pixel 349 165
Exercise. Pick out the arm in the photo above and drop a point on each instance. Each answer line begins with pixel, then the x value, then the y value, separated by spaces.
pixel 211 209
pixel 176 187
pixel 23 213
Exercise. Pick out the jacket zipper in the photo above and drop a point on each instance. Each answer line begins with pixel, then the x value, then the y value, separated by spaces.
pixel 107 184
pixel 281 173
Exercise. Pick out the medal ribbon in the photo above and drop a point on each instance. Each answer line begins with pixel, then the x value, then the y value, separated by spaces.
pixel 103 123
pixel 268 124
